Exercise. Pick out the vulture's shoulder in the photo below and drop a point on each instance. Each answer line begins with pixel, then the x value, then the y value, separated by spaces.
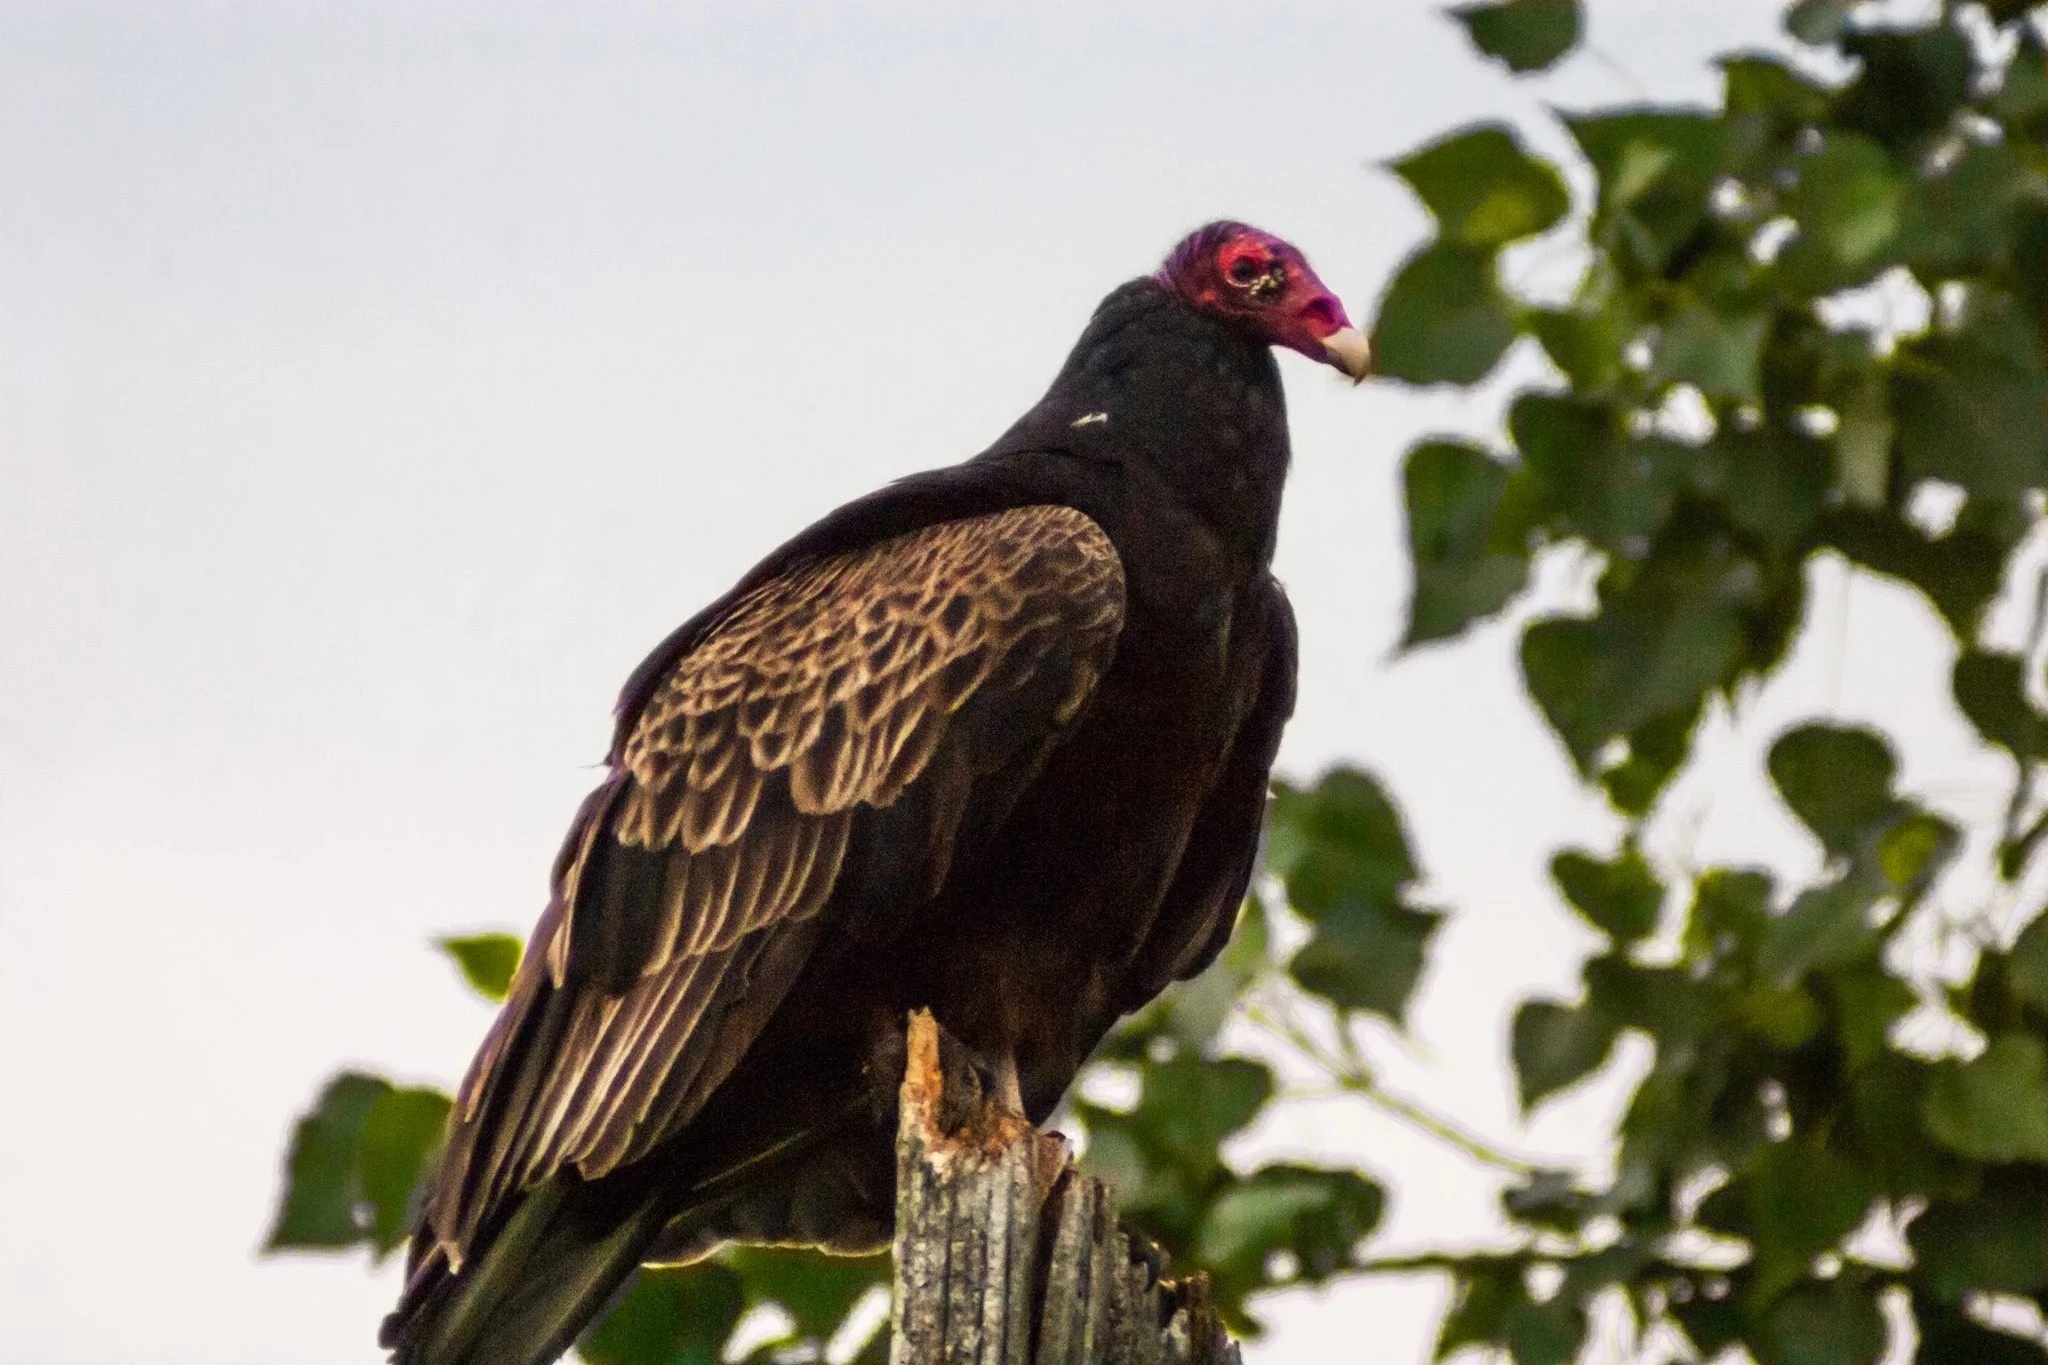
pixel 831 669
pixel 972 514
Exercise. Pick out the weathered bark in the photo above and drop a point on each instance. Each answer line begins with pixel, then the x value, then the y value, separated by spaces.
pixel 1006 1255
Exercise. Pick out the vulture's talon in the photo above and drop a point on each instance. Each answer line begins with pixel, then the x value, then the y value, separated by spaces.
pixel 1146 1252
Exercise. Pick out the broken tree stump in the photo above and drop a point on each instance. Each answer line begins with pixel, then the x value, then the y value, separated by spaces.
pixel 1006 1255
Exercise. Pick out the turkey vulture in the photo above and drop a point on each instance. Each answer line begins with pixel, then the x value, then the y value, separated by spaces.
pixel 993 740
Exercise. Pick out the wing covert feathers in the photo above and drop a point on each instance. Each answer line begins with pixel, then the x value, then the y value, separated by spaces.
pixel 688 895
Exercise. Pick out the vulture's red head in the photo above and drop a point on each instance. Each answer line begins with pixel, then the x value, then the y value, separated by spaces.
pixel 1257 281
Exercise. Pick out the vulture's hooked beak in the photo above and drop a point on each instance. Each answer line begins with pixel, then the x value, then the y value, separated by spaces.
pixel 1350 352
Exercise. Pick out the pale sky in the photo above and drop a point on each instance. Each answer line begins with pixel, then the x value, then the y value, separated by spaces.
pixel 379 381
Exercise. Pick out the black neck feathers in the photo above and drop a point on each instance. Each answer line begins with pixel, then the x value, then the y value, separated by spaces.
pixel 1193 402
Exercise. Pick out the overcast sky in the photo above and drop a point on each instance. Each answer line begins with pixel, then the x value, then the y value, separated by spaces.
pixel 379 381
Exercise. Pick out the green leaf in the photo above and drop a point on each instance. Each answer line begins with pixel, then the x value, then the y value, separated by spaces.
pixel 1367 957
pixel 401 1136
pixel 1776 613
pixel 1565 440
pixel 1964 222
pixel 1818 21
pixel 1837 780
pixel 2023 98
pixel 1911 852
pixel 1959 572
pixel 1462 570
pixel 1710 1324
pixel 1164 1155
pixel 1995 1242
pixel 1656 168
pixel 1338 843
pixel 1189 1105
pixel 817 1291
pixel 1995 1106
pixel 1760 84
pixel 1851 207
pixel 1834 924
pixel 1657 749
pixel 1586 343
pixel 1638 150
pixel 1970 405
pixel 1523 35
pixel 1116 1156
pixel 1491 1306
pixel 355 1160
pixel 488 961
pixel 1341 851
pixel 1718 353
pixel 1551 1199
pixel 1620 897
pixel 2006 11
pixel 1483 189
pixel 669 1317
pixel 1671 632
pixel 1863 442
pixel 1825 925
pixel 1617 492
pixel 2027 966
pixel 1948 1334
pixel 1887 1097
pixel 1784 1016
pixel 324 1201
pixel 1590 688
pixel 1774 483
pixel 1556 1046
pixel 1731 908
pixel 1868 1001
pixel 1912 82
pixel 1835 1323
pixel 1444 319
pixel 1320 1216
pixel 1802 1199
pixel 1664 1002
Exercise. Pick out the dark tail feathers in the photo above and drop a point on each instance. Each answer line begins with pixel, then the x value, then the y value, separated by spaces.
pixel 531 1289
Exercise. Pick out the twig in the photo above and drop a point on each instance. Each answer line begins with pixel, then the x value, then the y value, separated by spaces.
pixel 1351 1075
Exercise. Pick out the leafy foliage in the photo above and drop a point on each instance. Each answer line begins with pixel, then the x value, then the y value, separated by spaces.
pixel 687 1315
pixel 354 1160
pixel 1462 570
pixel 1831 1114
pixel 1345 861
pixel 674 1317
pixel 1483 189
pixel 1445 318
pixel 1714 425
pixel 487 961
pixel 1523 35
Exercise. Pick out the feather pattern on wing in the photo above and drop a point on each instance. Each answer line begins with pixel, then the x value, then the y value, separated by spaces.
pixel 688 896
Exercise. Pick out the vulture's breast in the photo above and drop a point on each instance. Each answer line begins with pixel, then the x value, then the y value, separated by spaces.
pixel 1034 949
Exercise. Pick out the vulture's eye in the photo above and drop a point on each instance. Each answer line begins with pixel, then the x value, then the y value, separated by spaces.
pixel 1244 270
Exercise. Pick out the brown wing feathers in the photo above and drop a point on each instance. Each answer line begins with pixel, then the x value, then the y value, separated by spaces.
pixel 689 895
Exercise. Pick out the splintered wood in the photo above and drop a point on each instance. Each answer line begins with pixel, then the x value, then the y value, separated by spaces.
pixel 1006 1255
